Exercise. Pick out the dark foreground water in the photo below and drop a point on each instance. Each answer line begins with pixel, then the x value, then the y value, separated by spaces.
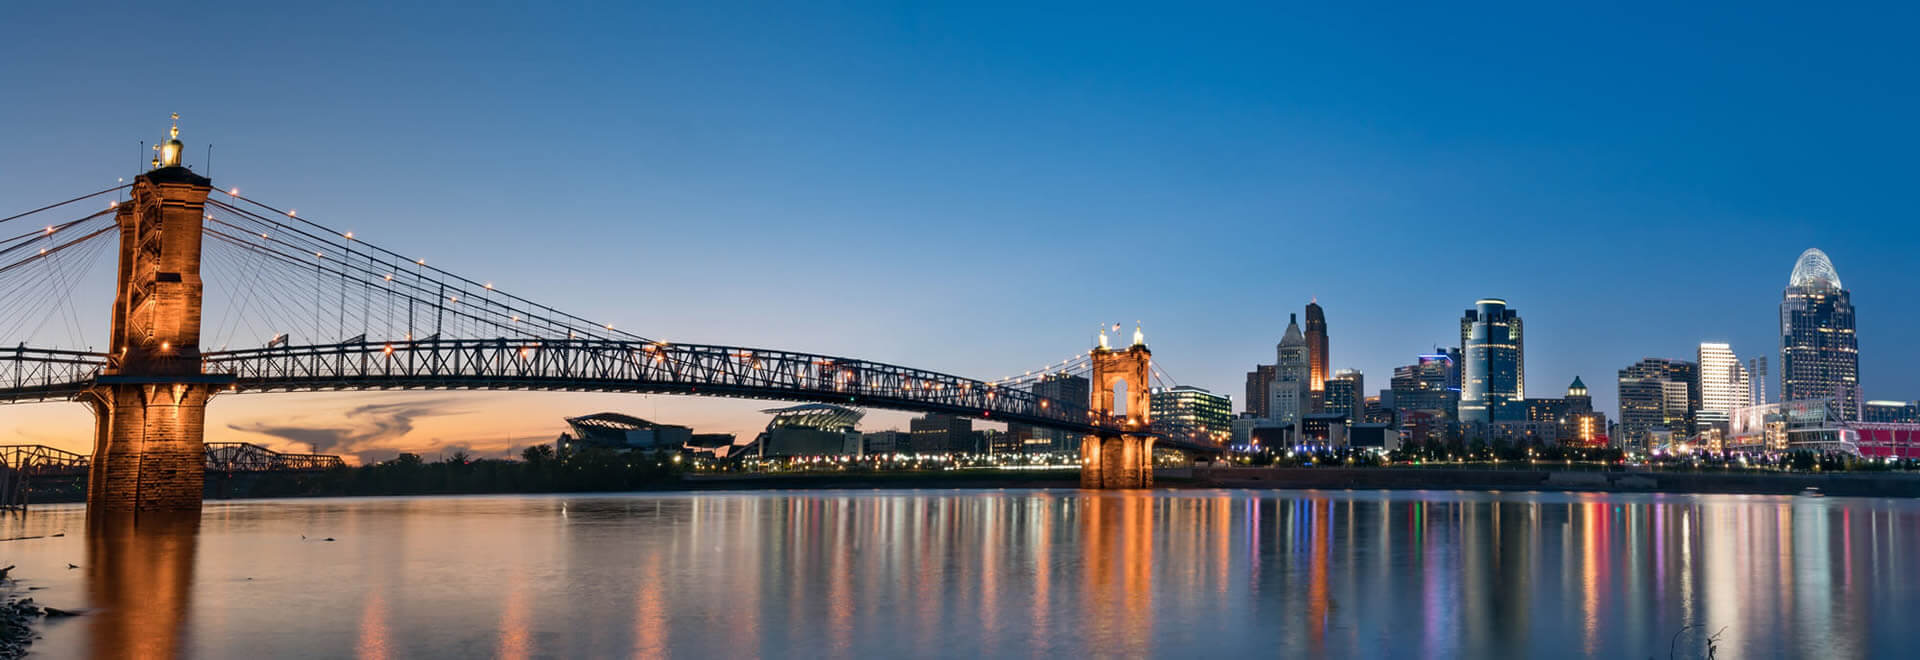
pixel 886 574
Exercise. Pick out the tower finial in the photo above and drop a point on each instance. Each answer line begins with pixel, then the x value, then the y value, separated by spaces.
pixel 170 151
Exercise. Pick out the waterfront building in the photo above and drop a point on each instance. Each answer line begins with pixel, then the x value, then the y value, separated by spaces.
pixel 1657 400
pixel 1431 385
pixel 611 430
pixel 1494 361
pixel 1571 419
pixel 886 442
pixel 1378 409
pixel 1891 412
pixel 1288 394
pixel 1073 391
pixel 1317 357
pixel 1323 430
pixel 1378 437
pixel 935 433
pixel 1819 355
pixel 997 442
pixel 1190 412
pixel 1342 394
pixel 1822 425
pixel 1260 389
pixel 710 445
pixel 809 429
pixel 1724 385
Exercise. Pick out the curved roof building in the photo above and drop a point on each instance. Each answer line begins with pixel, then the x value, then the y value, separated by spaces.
pixel 1813 270
pixel 1819 355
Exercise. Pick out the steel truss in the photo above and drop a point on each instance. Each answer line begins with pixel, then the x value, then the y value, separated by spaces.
pixel 585 365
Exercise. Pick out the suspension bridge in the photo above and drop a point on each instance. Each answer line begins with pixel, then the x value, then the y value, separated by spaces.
pixel 218 294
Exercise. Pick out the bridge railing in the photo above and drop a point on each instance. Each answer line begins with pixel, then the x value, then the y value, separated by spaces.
pixel 639 366
pixel 38 374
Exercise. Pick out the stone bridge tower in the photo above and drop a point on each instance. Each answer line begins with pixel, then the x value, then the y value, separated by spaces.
pixel 1123 459
pixel 149 403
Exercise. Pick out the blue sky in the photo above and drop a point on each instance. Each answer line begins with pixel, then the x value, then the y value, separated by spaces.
pixel 974 188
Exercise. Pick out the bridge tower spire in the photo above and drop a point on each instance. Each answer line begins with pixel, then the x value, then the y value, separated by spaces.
pixel 149 403
pixel 1122 459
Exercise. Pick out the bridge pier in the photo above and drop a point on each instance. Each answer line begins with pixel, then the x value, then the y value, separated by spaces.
pixel 1122 461
pixel 150 400
pixel 148 452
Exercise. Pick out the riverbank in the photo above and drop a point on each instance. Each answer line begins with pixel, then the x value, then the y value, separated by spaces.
pixel 1852 484
pixel 18 616
pixel 1463 478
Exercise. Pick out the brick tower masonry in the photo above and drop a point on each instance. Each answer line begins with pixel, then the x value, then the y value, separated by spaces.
pixel 1120 460
pixel 149 403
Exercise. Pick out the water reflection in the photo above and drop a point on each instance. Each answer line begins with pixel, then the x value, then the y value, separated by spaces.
pixel 140 578
pixel 1014 573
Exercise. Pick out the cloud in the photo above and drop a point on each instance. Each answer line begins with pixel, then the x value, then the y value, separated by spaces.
pixel 370 432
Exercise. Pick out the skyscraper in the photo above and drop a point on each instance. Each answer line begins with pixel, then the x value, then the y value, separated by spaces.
pixel 1289 394
pixel 1724 385
pixel 1317 357
pixel 1819 357
pixel 1657 399
pixel 1259 388
pixel 1193 413
pixel 1069 390
pixel 1493 349
pixel 1344 394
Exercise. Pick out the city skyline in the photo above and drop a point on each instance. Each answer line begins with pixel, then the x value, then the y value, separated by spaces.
pixel 410 170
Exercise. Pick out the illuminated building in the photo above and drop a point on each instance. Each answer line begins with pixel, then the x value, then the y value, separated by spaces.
pixel 935 433
pixel 1494 361
pixel 1317 356
pixel 809 429
pixel 1572 418
pixel 1822 425
pixel 1657 400
pixel 1288 394
pixel 1819 356
pixel 1724 385
pixel 1344 394
pixel 1191 412
pixel 1431 385
pixel 1322 430
pixel 1891 412
pixel 1069 390
pixel 610 430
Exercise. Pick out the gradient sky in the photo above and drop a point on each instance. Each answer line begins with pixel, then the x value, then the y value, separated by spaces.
pixel 974 189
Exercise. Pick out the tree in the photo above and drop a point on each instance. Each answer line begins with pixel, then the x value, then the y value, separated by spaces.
pixel 537 454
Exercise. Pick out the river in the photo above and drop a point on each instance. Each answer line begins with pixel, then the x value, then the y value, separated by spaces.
pixel 986 573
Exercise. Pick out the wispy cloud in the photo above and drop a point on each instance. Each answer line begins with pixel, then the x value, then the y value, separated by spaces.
pixel 368 432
